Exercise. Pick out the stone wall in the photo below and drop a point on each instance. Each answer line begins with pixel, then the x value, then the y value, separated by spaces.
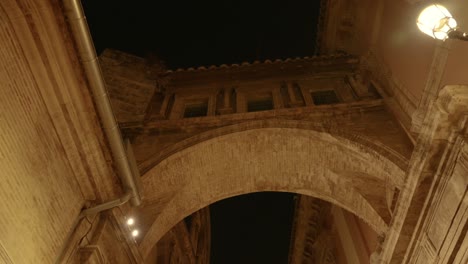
pixel 53 158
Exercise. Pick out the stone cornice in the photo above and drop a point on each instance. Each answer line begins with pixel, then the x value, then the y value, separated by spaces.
pixel 323 111
pixel 255 71
pixel 319 60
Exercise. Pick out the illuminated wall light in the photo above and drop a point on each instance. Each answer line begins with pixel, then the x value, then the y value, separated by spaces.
pixel 130 221
pixel 135 233
pixel 437 22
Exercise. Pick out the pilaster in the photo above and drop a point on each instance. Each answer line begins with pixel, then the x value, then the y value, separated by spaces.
pixel 436 154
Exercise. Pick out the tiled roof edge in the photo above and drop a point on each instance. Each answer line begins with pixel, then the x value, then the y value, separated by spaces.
pixel 248 64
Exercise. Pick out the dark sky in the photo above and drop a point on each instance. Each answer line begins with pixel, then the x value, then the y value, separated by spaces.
pixel 247 229
pixel 252 229
pixel 195 33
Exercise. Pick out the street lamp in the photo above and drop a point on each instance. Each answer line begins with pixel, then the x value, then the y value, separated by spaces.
pixel 437 22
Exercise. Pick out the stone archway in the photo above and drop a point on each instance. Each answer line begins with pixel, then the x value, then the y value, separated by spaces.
pixel 352 175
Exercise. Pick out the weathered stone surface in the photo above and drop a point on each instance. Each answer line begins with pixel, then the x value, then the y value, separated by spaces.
pixel 189 241
pixel 311 239
pixel 270 159
pixel 52 154
pixel 428 222
pixel 351 153
pixel 54 159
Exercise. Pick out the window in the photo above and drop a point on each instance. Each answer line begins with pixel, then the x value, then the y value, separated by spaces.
pixel 260 104
pixel 196 109
pixel 325 97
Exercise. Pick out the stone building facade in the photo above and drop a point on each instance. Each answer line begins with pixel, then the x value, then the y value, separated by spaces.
pixel 375 124
pixel 253 109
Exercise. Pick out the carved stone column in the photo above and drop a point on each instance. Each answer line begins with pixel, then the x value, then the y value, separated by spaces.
pixel 436 154
pixel 227 107
pixel 431 89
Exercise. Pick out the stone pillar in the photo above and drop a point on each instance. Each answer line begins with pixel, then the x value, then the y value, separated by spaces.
pixel 211 105
pixel 431 89
pixel 241 102
pixel 291 94
pixel 227 97
pixel 227 107
pixel 294 100
pixel 277 98
pixel 166 105
pixel 307 96
pixel 436 153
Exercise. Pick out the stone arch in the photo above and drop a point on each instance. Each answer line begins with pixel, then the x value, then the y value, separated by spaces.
pixel 332 167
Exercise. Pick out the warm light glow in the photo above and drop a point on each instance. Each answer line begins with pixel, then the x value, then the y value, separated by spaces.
pixel 135 233
pixel 130 221
pixel 436 21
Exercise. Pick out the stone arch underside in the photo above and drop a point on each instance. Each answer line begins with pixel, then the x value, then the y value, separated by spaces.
pixel 309 162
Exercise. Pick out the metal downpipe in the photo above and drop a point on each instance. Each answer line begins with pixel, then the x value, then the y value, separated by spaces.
pixel 79 27
pixel 87 54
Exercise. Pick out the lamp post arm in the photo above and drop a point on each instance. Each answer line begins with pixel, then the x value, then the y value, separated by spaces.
pixel 455 34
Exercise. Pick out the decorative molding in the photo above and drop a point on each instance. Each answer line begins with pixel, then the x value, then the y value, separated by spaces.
pixel 400 102
pixel 316 60
pixel 229 128
pixel 433 84
pixel 445 211
pixel 92 254
pixel 444 123
pixel 310 238
pixel 4 257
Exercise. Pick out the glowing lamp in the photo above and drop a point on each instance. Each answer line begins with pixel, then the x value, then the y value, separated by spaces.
pixel 437 22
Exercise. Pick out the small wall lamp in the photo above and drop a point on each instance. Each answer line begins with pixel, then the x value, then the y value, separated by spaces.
pixel 437 22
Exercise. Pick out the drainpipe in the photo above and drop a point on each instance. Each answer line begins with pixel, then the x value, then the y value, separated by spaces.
pixel 127 171
pixel 79 27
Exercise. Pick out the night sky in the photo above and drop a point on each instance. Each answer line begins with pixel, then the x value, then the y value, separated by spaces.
pixel 194 33
pixel 252 228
